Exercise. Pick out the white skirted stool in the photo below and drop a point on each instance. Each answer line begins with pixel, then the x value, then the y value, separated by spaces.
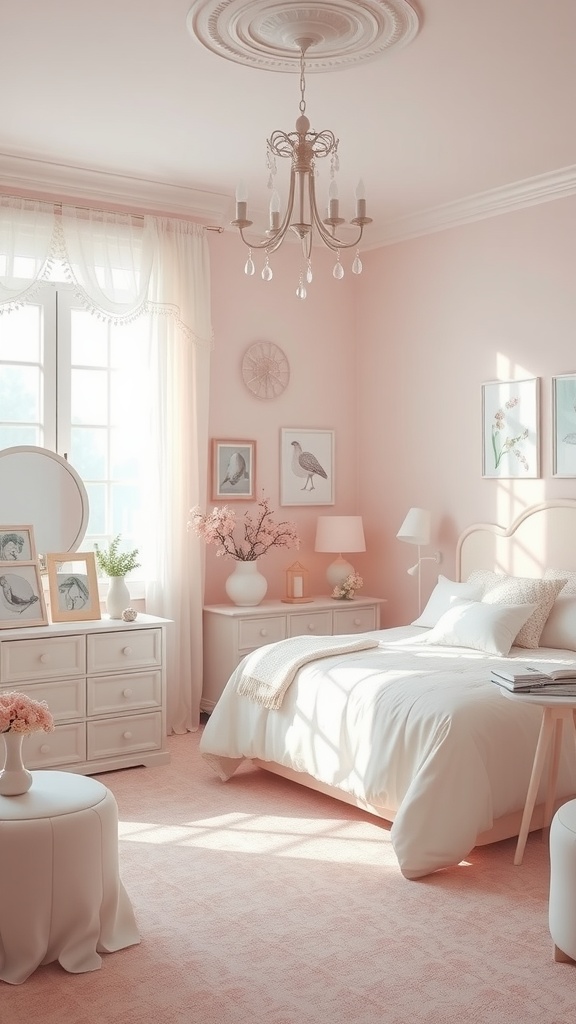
pixel 562 905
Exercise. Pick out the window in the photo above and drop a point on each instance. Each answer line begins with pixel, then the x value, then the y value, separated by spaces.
pixel 76 384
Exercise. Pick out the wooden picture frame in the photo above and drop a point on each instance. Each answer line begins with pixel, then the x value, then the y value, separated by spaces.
pixel 306 466
pixel 21 595
pixel 17 544
pixel 511 429
pixel 73 586
pixel 233 470
pixel 564 425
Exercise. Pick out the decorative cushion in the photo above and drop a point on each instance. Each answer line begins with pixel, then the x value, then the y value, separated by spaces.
pixel 481 626
pixel 445 594
pixel 525 590
pixel 569 577
pixel 486 579
pixel 560 626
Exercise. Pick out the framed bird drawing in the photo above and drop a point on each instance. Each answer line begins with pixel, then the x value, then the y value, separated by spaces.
pixel 233 470
pixel 306 466
pixel 21 595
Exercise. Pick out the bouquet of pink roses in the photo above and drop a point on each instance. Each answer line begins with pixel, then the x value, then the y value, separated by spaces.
pixel 19 713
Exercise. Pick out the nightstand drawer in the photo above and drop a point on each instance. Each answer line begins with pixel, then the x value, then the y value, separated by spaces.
pixel 257 632
pixel 42 659
pixel 354 620
pixel 122 650
pixel 310 624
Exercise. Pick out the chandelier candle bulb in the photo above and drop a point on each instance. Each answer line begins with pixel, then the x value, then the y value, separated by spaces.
pixel 333 203
pixel 275 211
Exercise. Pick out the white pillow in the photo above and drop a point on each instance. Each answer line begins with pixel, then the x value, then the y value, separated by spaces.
pixel 560 627
pixel 525 590
pixel 483 627
pixel 445 594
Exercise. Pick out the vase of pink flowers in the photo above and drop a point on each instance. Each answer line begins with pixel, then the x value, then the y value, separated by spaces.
pixel 245 540
pixel 19 716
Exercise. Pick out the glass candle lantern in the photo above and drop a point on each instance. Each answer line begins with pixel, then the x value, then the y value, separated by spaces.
pixel 297 587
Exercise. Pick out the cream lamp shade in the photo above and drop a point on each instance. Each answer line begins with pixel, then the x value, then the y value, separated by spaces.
pixel 416 527
pixel 338 534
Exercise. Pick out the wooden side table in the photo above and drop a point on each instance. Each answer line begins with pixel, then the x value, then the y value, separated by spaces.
pixel 556 712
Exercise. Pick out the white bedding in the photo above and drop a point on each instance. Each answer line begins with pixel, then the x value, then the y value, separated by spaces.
pixel 420 731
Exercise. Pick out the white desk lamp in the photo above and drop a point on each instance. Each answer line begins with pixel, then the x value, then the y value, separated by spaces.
pixel 338 534
pixel 416 530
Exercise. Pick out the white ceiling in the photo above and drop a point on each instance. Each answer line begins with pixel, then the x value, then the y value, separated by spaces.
pixel 116 99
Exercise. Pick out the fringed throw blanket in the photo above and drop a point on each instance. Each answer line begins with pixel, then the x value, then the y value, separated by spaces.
pixel 267 672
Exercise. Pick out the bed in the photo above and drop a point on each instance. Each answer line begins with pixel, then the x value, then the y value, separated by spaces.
pixel 411 728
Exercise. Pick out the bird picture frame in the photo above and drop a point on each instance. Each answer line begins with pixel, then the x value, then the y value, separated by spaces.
pixel 21 595
pixel 233 470
pixel 306 466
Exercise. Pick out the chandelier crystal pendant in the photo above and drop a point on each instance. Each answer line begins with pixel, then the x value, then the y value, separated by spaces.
pixel 302 216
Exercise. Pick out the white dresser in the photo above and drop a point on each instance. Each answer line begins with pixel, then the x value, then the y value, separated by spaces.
pixel 231 632
pixel 105 684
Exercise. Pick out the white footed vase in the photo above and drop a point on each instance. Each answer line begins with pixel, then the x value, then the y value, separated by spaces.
pixel 118 597
pixel 15 779
pixel 246 586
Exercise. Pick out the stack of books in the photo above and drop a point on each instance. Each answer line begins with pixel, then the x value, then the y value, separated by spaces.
pixel 553 680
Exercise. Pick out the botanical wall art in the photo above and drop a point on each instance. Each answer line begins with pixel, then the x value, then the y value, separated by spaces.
pixel 510 423
pixel 306 466
pixel 564 424
pixel 233 470
pixel 73 586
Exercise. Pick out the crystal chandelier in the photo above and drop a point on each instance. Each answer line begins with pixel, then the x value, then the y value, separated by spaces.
pixel 302 216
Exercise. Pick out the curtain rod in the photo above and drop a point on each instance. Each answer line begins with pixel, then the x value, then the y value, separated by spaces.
pixel 96 209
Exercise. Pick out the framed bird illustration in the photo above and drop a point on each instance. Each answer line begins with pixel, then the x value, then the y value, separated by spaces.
pixel 306 466
pixel 21 595
pixel 233 470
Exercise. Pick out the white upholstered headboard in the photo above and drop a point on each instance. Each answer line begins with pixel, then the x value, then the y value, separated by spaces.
pixel 542 537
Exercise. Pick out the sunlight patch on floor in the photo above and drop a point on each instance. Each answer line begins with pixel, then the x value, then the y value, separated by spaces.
pixel 305 838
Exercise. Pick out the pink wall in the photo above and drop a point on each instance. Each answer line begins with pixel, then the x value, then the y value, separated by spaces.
pixel 318 335
pixel 437 317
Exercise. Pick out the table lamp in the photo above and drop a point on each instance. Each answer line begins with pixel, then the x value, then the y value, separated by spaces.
pixel 338 534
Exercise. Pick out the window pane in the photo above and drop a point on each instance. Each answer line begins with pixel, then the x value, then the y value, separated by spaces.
pixel 20 393
pixel 89 339
pixel 89 396
pixel 88 452
pixel 125 512
pixel 20 334
pixel 97 517
pixel 10 436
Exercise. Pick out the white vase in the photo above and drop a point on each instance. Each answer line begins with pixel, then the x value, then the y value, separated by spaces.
pixel 246 586
pixel 118 597
pixel 15 779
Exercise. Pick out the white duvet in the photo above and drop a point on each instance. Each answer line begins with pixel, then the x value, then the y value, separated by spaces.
pixel 417 730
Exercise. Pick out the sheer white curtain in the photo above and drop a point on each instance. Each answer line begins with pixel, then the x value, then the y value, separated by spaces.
pixel 122 266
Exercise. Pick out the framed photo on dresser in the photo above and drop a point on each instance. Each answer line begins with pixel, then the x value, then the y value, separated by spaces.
pixel 21 595
pixel 73 586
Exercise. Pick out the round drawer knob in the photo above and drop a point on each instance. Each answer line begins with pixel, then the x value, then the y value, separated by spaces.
pixel 45 749
pixel 311 627
pixel 263 632
pixel 126 650
pixel 127 692
pixel 127 735
pixel 357 622
pixel 44 658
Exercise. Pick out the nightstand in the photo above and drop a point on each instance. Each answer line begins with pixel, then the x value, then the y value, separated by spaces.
pixel 231 632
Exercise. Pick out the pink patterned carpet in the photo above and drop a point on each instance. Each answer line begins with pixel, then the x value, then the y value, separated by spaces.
pixel 260 902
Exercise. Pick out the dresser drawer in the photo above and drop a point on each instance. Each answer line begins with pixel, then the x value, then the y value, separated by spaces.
pixel 257 632
pixel 66 698
pixel 127 735
pixel 110 694
pixel 354 620
pixel 123 650
pixel 42 659
pixel 310 623
pixel 65 746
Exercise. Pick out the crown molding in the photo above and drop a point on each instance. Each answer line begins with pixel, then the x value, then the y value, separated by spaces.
pixel 60 180
pixel 497 201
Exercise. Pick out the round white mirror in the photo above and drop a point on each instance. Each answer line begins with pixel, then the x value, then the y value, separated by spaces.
pixel 39 488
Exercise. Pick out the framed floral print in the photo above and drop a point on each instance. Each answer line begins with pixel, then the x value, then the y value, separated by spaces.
pixel 510 429
pixel 564 425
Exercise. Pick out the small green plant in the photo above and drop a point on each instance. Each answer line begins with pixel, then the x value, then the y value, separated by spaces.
pixel 114 562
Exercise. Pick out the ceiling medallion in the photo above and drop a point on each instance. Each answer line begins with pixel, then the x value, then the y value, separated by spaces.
pixel 265 34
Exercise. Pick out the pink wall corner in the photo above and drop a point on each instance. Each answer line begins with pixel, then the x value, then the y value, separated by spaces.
pixel 437 317
pixel 318 335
